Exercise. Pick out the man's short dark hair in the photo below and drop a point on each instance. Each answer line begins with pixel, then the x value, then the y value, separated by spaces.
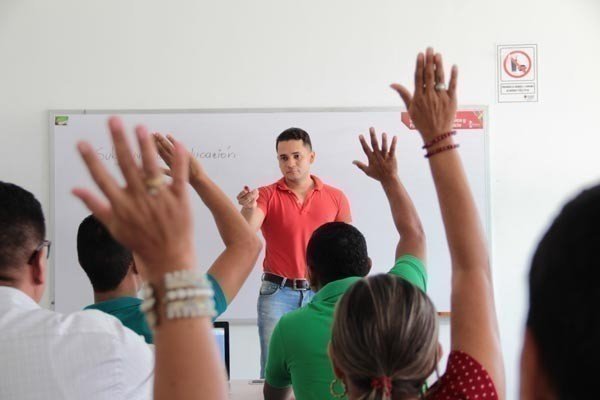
pixel 564 297
pixel 337 250
pixel 22 226
pixel 104 260
pixel 294 134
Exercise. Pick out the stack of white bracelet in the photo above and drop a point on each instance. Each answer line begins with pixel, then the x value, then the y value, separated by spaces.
pixel 188 294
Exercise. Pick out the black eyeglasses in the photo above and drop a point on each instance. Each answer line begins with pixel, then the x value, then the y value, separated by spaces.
pixel 45 243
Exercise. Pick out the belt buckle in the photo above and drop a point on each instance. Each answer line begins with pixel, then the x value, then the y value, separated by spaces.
pixel 295 287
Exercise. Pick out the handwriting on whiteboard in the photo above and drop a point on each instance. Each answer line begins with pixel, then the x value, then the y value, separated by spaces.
pixel 109 154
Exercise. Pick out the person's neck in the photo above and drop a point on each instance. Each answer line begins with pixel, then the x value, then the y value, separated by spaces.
pixel 114 294
pixel 302 185
pixel 355 393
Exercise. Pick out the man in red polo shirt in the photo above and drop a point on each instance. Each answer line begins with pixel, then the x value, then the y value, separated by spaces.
pixel 288 212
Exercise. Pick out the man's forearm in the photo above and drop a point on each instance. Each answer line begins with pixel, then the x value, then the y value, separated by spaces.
pixel 253 217
pixel 406 218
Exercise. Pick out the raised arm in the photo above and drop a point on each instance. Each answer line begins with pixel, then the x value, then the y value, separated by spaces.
pixel 154 220
pixel 474 327
pixel 383 167
pixel 242 246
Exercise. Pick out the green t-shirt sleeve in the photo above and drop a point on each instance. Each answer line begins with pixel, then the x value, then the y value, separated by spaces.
pixel 412 269
pixel 219 296
pixel 276 370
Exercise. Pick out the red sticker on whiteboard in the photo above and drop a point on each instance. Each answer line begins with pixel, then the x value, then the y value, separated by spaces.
pixel 472 119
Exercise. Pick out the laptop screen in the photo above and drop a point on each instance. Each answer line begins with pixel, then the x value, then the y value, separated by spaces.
pixel 221 333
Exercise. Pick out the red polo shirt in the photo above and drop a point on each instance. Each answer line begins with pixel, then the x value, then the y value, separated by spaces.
pixel 288 225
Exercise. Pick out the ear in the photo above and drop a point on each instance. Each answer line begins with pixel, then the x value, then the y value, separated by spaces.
pixel 312 280
pixel 336 370
pixel 38 268
pixel 440 352
pixel 313 155
pixel 370 265
pixel 534 383
pixel 134 267
pixel 138 267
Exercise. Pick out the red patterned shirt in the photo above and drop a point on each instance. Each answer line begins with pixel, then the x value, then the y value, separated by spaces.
pixel 464 379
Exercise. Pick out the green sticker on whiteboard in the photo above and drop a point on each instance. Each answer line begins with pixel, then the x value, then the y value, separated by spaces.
pixel 61 120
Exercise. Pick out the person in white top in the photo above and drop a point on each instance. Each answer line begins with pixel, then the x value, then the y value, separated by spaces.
pixel 43 354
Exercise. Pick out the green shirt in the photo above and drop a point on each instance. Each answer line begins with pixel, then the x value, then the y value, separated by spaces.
pixel 127 309
pixel 298 346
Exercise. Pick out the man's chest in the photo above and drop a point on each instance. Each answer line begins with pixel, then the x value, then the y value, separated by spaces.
pixel 288 212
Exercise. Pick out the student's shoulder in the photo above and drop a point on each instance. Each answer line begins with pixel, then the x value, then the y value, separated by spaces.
pixel 98 324
pixel 294 320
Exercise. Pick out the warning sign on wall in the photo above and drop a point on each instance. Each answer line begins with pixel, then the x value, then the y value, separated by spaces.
pixel 517 73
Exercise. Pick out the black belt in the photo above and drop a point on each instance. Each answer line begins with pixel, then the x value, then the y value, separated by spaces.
pixel 295 284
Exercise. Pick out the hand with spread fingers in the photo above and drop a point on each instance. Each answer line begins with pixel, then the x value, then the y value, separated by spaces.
pixel 432 107
pixel 148 215
pixel 382 163
pixel 166 151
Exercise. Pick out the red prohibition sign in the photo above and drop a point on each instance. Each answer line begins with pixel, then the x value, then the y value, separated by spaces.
pixel 525 71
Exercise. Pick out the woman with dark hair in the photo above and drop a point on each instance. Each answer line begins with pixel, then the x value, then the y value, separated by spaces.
pixel 385 335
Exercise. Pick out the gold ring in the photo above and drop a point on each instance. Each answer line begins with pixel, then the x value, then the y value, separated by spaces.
pixel 154 184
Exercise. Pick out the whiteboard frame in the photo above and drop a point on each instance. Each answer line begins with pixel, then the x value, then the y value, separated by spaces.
pixel 251 321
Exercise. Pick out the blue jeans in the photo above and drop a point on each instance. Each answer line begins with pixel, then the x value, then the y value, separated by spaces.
pixel 273 302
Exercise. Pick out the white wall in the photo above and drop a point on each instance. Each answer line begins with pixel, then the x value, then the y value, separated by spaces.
pixel 196 54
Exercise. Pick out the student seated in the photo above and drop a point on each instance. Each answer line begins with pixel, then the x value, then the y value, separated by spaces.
pixel 337 258
pixel 45 354
pixel 385 335
pixel 114 275
pixel 115 272
pixel 560 352
pixel 153 218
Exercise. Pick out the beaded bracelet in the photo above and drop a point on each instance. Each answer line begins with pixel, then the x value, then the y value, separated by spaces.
pixel 189 294
pixel 438 139
pixel 441 150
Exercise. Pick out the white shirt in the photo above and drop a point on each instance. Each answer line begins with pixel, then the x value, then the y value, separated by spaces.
pixel 86 355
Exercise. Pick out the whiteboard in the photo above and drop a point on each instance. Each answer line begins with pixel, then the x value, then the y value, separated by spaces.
pixel 237 148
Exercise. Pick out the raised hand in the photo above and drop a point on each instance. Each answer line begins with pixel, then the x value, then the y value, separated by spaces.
pixel 474 327
pixel 432 108
pixel 148 215
pixel 382 163
pixel 248 198
pixel 166 149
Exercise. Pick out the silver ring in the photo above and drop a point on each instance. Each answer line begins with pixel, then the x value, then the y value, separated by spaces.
pixel 440 86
